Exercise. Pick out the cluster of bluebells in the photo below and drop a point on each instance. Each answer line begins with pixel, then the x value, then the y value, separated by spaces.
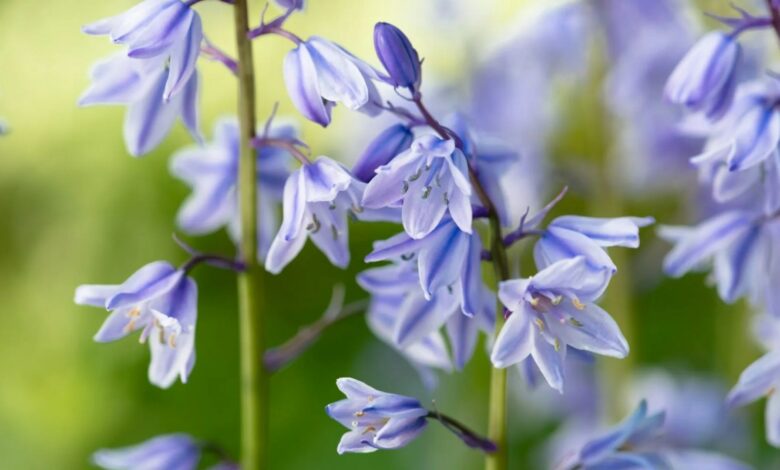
pixel 443 183
pixel 738 241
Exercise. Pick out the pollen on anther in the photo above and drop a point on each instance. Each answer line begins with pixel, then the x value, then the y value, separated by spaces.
pixel 577 304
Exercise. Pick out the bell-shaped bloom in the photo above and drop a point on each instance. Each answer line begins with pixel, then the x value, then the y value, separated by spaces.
pixel 170 451
pixel 411 321
pixel 389 286
pixel 398 57
pixel 570 236
pixel 391 142
pixel 166 33
pixel 428 180
pixel 123 81
pixel 319 74
pixel 159 300
pixel 212 173
pixel 317 199
pixel 761 379
pixel 375 419
pixel 735 243
pixel 628 446
pixel 550 311
pixel 705 78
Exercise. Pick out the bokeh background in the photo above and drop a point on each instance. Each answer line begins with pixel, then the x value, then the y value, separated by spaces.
pixel 75 208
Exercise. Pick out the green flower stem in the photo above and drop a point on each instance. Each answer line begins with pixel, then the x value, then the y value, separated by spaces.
pixel 254 377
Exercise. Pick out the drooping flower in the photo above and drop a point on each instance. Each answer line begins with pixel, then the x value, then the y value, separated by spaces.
pixel 551 311
pixel 164 33
pixel 427 181
pixel 169 451
pixel 317 198
pixel 569 236
pixel 159 300
pixel 398 56
pixel 212 173
pixel 628 446
pixel 391 142
pixel 705 78
pixel 375 419
pixel 318 74
pixel 119 80
pixel 740 245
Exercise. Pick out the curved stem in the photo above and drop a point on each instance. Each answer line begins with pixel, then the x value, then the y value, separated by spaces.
pixel 775 12
pixel 254 377
pixel 497 415
pixel 469 437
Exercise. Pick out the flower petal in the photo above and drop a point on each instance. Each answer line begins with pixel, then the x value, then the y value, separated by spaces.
pixel 515 341
pixel 300 77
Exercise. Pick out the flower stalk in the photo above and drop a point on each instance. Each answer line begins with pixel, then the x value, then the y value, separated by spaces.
pixel 254 377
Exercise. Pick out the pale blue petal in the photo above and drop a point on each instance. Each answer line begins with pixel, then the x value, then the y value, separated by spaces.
pixel 772 419
pixel 756 138
pixel 339 79
pixel 515 341
pixel 597 449
pixel 95 295
pixel 620 231
pixel 149 281
pixel 149 119
pixel 389 184
pixel 549 360
pixel 300 77
pixel 171 451
pixel 735 265
pixel 471 282
pixel 184 57
pixel 398 432
pixel 442 258
pixel 294 206
pixel 592 330
pixel 114 81
pixel 418 317
pixel 356 441
pixel 354 389
pixel 282 251
pixel 167 28
pixel 462 332
pixel 324 180
pixel 757 380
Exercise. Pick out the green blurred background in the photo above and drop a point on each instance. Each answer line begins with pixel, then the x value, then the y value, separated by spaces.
pixel 75 208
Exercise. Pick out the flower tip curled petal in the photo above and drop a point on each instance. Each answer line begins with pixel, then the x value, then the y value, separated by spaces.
pixel 325 179
pixel 760 378
pixel 398 56
pixel 756 138
pixel 391 142
pixel 340 75
pixel 184 58
pixel 300 78
pixel 704 78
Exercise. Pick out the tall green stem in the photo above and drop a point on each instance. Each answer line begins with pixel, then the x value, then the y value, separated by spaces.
pixel 254 378
pixel 497 414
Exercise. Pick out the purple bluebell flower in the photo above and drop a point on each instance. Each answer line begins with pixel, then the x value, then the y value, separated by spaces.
pixel 389 286
pixel 570 236
pixel 705 78
pixel 291 4
pixel 739 246
pixel 166 452
pixel 624 447
pixel 159 300
pixel 123 81
pixel 391 142
pixel 761 379
pixel 317 198
pixel 398 57
pixel 427 181
pixel 319 74
pixel 551 311
pixel 212 173
pixel 375 419
pixel 166 33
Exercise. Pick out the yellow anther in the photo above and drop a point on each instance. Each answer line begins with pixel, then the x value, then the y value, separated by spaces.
pixel 557 344
pixel 134 312
pixel 557 299
pixel 539 323
pixel 577 304
pixel 369 430
pixel 575 322
pixel 360 413
pixel 534 302
pixel 130 326
pixel 172 340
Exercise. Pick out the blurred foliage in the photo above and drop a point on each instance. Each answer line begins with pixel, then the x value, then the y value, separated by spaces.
pixel 75 208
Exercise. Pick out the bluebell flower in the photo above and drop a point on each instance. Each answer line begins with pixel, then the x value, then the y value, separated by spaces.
pixel 551 311
pixel 570 236
pixel 375 419
pixel 624 447
pixel 212 173
pixel 166 33
pixel 389 286
pixel 392 141
pixel 159 300
pixel 427 181
pixel 752 133
pixel 410 321
pixel 294 4
pixel 740 246
pixel 761 379
pixel 166 452
pixel 317 198
pixel 705 78
pixel 319 74
pixel 119 80
pixel 398 57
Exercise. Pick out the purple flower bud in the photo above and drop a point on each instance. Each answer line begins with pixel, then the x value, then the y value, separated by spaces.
pixel 704 80
pixel 397 56
pixel 381 150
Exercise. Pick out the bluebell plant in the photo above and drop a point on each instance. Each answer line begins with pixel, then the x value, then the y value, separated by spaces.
pixel 441 180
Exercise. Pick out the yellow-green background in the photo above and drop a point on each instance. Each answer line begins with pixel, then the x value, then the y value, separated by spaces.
pixel 75 208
